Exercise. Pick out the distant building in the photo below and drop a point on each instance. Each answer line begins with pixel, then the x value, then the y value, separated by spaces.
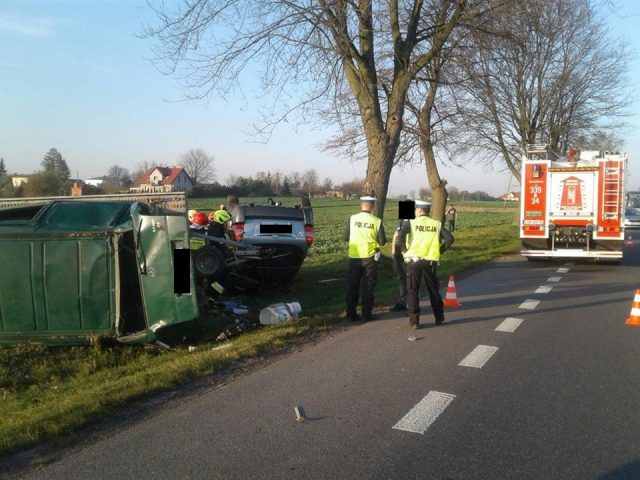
pixel 17 180
pixel 96 182
pixel 164 179
pixel 76 190
pixel 335 193
pixel 511 197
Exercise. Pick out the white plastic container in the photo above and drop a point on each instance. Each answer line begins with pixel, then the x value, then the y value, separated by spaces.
pixel 280 313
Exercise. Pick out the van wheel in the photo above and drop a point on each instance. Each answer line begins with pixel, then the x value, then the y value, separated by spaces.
pixel 209 262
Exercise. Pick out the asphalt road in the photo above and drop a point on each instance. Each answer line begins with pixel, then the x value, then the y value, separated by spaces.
pixel 557 397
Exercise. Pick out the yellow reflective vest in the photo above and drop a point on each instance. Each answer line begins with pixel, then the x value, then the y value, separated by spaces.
pixel 423 240
pixel 363 235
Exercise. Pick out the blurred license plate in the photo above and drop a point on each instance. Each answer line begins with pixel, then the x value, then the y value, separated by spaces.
pixel 270 228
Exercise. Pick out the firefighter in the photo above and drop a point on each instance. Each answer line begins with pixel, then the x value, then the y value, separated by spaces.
pixel 365 234
pixel 199 222
pixel 217 221
pixel 425 240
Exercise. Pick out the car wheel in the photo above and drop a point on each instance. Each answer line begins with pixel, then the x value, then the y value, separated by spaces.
pixel 209 262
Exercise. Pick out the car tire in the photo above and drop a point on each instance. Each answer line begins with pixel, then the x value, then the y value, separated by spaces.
pixel 209 262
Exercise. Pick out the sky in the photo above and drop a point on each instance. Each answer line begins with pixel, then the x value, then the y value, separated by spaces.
pixel 75 75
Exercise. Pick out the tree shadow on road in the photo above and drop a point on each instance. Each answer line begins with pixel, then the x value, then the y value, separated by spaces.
pixel 630 471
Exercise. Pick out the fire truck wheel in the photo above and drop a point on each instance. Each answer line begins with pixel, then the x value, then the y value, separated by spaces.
pixel 209 262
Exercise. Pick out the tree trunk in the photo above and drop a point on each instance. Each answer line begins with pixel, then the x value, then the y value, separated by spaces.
pixel 437 184
pixel 382 143
pixel 378 175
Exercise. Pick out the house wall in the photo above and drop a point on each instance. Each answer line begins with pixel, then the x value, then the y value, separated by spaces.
pixel 17 181
pixel 155 177
pixel 182 182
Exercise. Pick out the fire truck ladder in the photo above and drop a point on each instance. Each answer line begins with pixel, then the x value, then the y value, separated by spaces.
pixel 611 192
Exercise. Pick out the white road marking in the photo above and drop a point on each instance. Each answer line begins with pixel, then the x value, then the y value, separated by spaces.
pixel 480 355
pixel 529 304
pixel 554 279
pixel 563 270
pixel 426 411
pixel 509 325
pixel 544 289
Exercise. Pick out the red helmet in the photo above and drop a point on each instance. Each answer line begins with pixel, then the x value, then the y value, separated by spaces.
pixel 200 219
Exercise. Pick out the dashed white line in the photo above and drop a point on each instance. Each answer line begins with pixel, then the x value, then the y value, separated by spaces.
pixel 478 357
pixel 529 304
pixel 509 325
pixel 426 411
pixel 422 416
pixel 544 289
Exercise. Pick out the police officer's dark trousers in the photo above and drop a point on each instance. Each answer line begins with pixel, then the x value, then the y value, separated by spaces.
pixel 365 270
pixel 416 271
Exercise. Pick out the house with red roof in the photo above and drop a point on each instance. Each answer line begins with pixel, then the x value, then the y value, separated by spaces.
pixel 164 179
pixel 510 197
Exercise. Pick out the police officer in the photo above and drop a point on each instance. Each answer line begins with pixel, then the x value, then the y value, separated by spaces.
pixel 365 235
pixel 425 240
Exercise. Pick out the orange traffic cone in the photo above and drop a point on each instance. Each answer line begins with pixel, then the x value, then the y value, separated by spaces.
pixel 450 299
pixel 634 316
pixel 628 242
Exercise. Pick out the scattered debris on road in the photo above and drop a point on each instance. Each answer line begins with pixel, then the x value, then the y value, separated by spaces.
pixel 300 416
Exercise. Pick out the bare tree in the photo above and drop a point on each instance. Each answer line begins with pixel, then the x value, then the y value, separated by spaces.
pixel 118 176
pixel 353 188
pixel 140 170
pixel 327 184
pixel 232 179
pixel 295 182
pixel 555 76
pixel 276 182
pixel 428 119
pixel 310 177
pixel 424 128
pixel 600 140
pixel 335 49
pixel 198 165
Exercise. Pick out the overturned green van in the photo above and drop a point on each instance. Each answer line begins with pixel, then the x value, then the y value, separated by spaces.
pixel 72 270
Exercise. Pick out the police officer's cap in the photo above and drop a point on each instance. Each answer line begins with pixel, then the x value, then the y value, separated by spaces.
pixel 368 198
pixel 422 204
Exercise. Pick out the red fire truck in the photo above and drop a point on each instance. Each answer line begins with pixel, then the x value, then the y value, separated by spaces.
pixel 572 206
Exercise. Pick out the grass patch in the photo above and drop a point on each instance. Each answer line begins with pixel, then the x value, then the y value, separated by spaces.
pixel 47 392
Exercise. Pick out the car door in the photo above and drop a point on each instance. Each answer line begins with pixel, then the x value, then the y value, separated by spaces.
pixel 164 266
